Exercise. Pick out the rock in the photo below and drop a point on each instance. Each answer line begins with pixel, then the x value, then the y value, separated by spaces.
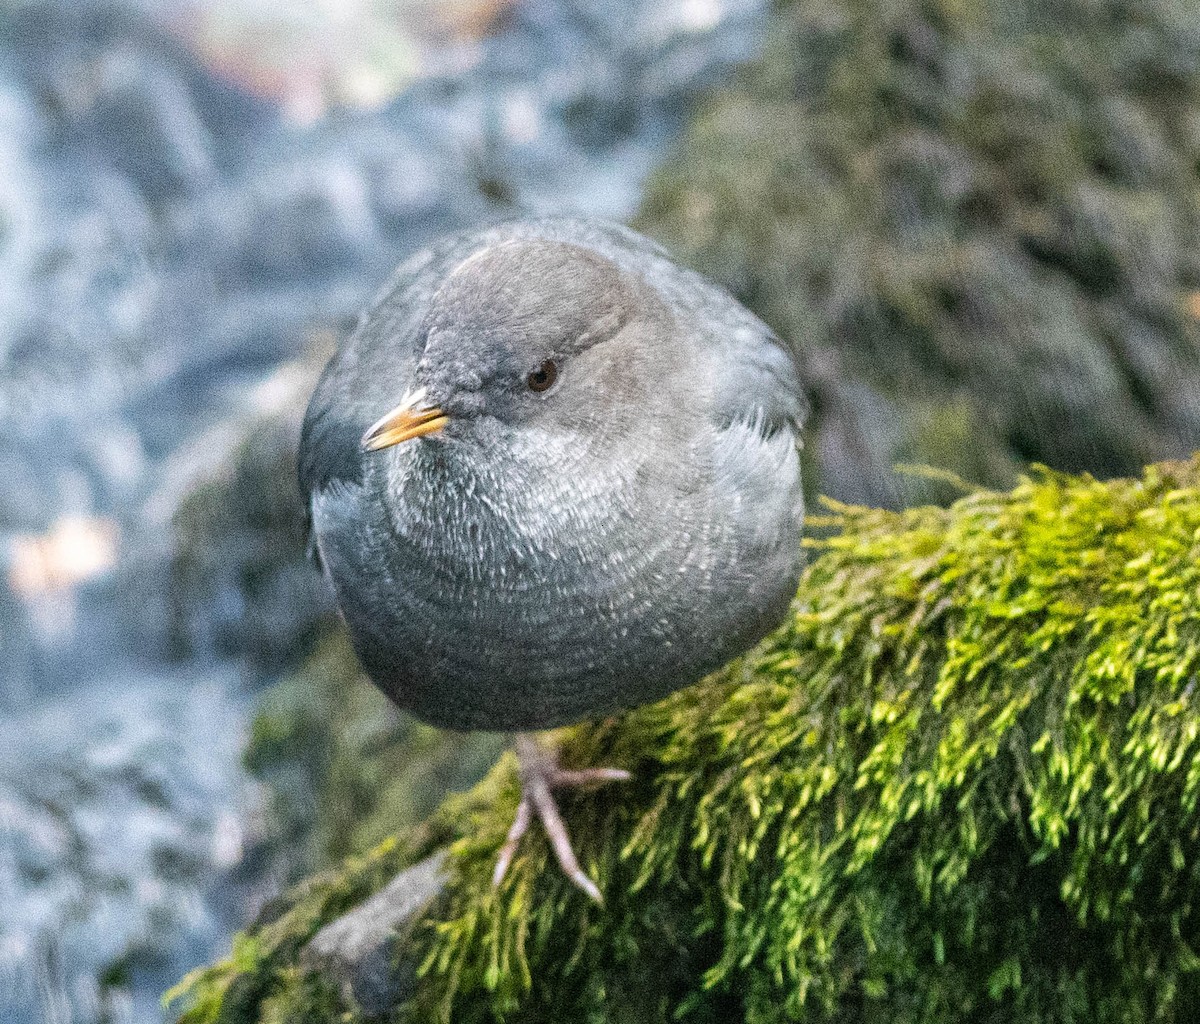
pixel 362 952
pixel 991 209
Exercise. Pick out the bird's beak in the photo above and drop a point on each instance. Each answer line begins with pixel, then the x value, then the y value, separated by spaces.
pixel 411 418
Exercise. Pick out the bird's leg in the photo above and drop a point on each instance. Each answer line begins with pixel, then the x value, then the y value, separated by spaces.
pixel 540 773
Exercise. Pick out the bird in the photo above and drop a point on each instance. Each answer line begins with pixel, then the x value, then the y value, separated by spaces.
pixel 553 476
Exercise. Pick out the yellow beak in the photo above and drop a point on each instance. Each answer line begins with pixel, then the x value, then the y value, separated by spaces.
pixel 411 418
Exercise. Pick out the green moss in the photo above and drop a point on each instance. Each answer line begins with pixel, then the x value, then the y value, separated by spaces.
pixel 959 784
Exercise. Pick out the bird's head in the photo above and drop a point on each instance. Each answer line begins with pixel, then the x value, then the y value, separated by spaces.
pixel 534 334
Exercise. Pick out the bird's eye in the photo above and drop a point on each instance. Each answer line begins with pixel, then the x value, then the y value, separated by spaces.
pixel 544 376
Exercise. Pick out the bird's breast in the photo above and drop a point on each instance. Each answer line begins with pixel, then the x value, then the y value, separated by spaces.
pixel 492 599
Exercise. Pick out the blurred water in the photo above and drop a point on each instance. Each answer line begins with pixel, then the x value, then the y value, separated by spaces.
pixel 168 242
pixel 126 804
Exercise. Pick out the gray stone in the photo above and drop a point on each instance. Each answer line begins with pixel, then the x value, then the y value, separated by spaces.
pixel 359 951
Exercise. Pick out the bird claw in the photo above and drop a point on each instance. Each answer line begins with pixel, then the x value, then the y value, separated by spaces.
pixel 540 773
pixel 566 778
pixel 518 828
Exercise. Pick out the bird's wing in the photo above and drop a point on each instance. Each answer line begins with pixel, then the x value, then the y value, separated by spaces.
pixel 758 411
pixel 757 383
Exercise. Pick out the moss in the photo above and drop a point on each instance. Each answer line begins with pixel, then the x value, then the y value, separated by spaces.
pixel 992 204
pixel 959 784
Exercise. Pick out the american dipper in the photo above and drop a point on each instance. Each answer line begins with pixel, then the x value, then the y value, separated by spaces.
pixel 553 476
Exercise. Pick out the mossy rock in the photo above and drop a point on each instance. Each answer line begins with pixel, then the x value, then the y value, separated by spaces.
pixel 344 767
pixel 959 784
pixel 241 585
pixel 991 207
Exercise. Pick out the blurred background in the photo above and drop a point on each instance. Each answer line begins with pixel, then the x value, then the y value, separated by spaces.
pixel 976 221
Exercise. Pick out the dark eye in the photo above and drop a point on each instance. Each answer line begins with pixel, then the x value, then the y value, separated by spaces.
pixel 544 376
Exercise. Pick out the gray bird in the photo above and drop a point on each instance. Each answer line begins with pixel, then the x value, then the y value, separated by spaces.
pixel 552 476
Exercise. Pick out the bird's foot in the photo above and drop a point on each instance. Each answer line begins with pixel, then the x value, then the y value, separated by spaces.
pixel 540 774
